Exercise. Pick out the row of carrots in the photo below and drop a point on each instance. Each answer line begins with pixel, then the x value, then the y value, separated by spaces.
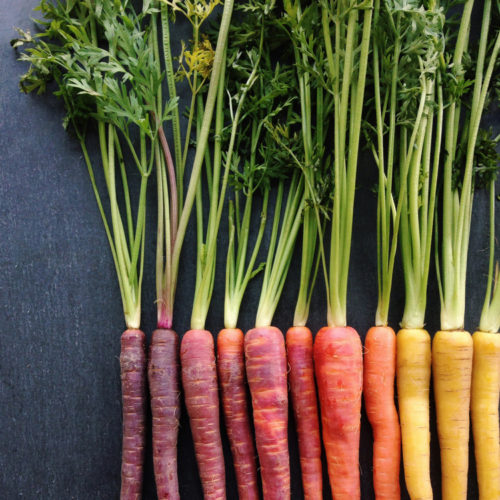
pixel 280 97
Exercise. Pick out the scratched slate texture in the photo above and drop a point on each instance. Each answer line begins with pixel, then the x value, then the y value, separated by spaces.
pixel 61 317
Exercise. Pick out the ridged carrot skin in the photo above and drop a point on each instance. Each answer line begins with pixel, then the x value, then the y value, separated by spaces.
pixel 485 394
pixel 452 372
pixel 338 361
pixel 232 381
pixel 133 379
pixel 379 372
pixel 413 376
pixel 164 390
pixel 299 349
pixel 266 368
pixel 201 395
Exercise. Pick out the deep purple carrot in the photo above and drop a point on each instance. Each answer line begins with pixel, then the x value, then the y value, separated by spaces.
pixel 164 390
pixel 133 377
pixel 201 395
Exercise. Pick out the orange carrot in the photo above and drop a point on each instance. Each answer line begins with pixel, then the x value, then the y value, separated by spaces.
pixel 163 377
pixel 199 381
pixel 338 361
pixel 266 373
pixel 378 389
pixel 133 377
pixel 232 380
pixel 299 347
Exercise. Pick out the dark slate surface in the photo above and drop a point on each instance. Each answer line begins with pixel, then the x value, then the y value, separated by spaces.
pixel 60 413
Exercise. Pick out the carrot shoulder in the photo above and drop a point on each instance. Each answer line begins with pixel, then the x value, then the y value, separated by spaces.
pixel 338 361
pixel 133 378
pixel 378 389
pixel 163 377
pixel 299 347
pixel 266 369
pixel 199 381
pixel 232 381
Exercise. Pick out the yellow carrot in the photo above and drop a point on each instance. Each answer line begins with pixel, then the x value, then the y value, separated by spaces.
pixel 413 354
pixel 484 412
pixel 452 372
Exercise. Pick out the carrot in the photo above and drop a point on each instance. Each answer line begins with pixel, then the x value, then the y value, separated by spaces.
pixel 299 341
pixel 413 368
pixel 452 369
pixel 452 347
pixel 379 370
pixel 133 377
pixel 163 377
pixel 338 360
pixel 485 390
pixel 232 380
pixel 199 381
pixel 266 370
pixel 299 348
pixel 484 412
pixel 338 357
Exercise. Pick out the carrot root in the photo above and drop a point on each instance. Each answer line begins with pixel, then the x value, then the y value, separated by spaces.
pixel 338 361
pixel 413 376
pixel 163 377
pixel 266 369
pixel 484 412
pixel 379 373
pixel 452 371
pixel 199 381
pixel 232 381
pixel 133 379
pixel 299 347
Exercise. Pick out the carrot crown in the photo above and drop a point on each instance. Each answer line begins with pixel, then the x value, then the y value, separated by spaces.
pixel 458 185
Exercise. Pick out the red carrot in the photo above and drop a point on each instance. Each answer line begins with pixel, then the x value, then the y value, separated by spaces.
pixel 199 381
pixel 266 373
pixel 379 373
pixel 163 376
pixel 133 377
pixel 338 363
pixel 232 380
pixel 299 347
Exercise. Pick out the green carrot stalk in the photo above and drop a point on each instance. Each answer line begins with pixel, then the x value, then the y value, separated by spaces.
pixel 452 348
